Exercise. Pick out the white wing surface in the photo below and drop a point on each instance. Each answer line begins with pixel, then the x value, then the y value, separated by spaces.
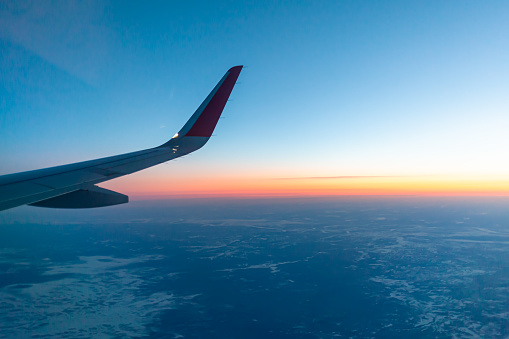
pixel 74 185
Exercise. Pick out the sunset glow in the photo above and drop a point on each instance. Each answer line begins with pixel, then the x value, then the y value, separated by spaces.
pixel 231 187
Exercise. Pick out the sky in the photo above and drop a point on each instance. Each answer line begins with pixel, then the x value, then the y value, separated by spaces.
pixel 338 97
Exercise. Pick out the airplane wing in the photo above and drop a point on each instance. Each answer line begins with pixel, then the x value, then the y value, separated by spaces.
pixel 74 185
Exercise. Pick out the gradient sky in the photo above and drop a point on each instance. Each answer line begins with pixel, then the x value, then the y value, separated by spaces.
pixel 339 97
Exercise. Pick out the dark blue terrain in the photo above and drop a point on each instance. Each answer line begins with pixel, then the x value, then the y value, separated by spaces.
pixel 258 268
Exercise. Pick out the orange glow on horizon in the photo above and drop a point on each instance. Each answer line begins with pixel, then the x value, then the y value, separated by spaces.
pixel 375 185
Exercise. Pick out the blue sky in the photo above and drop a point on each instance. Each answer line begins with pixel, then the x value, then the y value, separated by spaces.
pixel 332 88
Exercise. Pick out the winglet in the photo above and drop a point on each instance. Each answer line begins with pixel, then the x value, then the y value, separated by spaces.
pixel 215 102
pixel 204 120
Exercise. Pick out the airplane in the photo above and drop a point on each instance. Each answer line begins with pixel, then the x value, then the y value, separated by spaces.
pixel 74 185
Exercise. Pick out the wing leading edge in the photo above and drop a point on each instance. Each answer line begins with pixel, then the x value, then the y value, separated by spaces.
pixel 73 185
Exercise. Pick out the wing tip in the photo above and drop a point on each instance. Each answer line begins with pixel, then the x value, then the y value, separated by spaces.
pixel 236 68
pixel 206 122
pixel 203 122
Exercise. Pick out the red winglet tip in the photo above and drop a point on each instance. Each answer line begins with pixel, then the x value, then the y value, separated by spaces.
pixel 235 69
pixel 206 122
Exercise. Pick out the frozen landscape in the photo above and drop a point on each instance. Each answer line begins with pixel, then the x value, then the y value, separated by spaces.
pixel 272 268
